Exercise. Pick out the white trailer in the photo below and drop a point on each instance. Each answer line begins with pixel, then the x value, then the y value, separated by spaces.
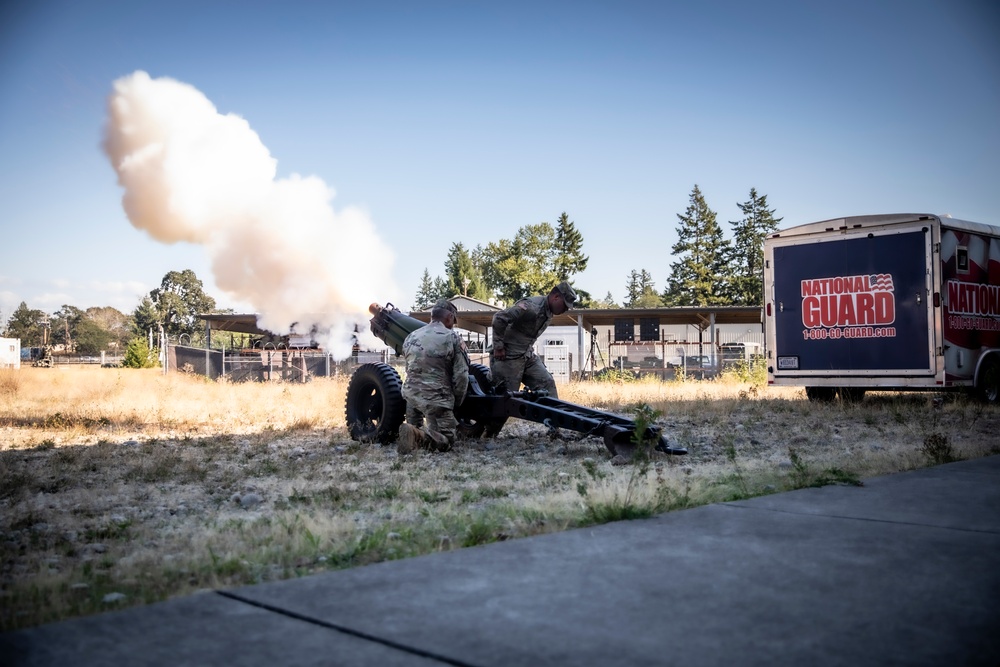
pixel 905 301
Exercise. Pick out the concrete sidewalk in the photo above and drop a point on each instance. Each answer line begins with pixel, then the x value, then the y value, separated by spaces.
pixel 903 571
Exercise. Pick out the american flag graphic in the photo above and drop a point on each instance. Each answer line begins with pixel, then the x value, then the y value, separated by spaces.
pixel 880 282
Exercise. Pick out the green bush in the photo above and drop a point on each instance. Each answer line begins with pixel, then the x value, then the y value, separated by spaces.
pixel 753 372
pixel 138 354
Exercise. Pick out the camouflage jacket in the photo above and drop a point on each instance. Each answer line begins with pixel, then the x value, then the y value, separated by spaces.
pixel 437 366
pixel 517 328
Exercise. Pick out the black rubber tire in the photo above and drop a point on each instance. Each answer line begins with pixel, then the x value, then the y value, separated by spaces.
pixel 375 407
pixel 851 394
pixel 988 383
pixel 468 425
pixel 821 394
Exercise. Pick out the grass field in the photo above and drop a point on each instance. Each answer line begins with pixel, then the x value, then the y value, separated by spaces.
pixel 121 487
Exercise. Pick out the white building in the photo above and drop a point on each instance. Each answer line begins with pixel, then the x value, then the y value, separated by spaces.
pixel 10 352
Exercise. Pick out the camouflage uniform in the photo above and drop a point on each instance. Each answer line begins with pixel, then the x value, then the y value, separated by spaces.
pixel 516 329
pixel 437 377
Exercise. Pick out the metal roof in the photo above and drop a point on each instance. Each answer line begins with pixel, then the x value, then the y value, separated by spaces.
pixel 699 316
pixel 236 323
pixel 481 321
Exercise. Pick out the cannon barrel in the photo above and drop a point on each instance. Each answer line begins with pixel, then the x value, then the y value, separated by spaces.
pixel 391 326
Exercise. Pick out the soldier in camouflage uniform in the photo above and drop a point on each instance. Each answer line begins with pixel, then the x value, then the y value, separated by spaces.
pixel 437 377
pixel 515 331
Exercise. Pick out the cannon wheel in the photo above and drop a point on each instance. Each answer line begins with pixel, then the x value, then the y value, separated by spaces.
pixel 375 405
pixel 469 426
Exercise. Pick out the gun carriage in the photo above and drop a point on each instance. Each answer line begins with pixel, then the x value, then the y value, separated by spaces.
pixel 376 408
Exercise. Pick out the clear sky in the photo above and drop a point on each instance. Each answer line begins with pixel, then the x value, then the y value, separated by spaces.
pixel 463 121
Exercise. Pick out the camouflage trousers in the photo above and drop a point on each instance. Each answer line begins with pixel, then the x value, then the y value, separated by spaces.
pixel 528 369
pixel 441 427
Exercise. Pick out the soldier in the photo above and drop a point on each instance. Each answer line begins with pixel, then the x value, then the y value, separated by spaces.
pixel 437 377
pixel 515 331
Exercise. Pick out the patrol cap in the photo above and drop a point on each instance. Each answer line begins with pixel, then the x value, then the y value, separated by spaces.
pixel 568 295
pixel 445 304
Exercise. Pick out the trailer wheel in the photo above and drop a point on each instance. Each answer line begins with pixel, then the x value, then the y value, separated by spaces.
pixel 469 426
pixel 988 385
pixel 375 406
pixel 851 394
pixel 821 394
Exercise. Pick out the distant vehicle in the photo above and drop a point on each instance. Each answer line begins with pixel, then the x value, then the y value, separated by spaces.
pixel 698 361
pixel 735 353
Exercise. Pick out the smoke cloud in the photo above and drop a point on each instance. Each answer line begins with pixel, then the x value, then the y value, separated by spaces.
pixel 192 174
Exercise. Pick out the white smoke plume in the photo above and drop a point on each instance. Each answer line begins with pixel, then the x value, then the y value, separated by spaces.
pixel 192 174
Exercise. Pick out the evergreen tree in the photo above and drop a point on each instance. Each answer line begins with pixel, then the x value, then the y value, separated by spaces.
pixel 698 277
pixel 425 293
pixel 462 274
pixel 27 324
pixel 747 261
pixel 569 259
pixel 607 302
pixel 641 290
pixel 138 354
pixel 145 318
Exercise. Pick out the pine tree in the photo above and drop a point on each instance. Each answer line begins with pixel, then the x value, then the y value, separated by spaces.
pixel 569 259
pixel 641 290
pixel 698 277
pixel 145 317
pixel 747 261
pixel 462 274
pixel 425 293
pixel 27 324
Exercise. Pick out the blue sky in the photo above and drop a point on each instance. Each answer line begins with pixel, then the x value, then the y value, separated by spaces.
pixel 464 121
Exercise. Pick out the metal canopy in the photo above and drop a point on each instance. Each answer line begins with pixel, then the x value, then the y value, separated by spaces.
pixel 244 323
pixel 699 316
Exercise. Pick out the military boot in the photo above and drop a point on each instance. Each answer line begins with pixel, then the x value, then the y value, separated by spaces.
pixel 409 439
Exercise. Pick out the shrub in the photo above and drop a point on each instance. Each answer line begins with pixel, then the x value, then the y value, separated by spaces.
pixel 138 354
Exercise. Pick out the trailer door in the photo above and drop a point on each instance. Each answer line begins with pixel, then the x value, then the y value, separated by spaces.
pixel 853 304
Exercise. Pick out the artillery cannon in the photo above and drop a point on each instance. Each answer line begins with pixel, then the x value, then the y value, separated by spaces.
pixel 376 408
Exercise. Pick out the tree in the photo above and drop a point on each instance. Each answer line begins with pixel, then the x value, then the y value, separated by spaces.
pixel 28 325
pixel 569 259
pixel 698 277
pixel 607 302
pixel 90 338
pixel 64 324
pixel 179 300
pixel 138 354
pixel 113 321
pixel 425 293
pixel 523 266
pixel 747 261
pixel 462 275
pixel 145 318
pixel 641 291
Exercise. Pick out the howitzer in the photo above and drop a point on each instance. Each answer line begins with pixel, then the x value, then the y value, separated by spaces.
pixel 376 407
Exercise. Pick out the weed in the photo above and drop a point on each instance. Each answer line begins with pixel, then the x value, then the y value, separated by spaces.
pixel 937 449
pixel 802 476
pixel 433 496
pixel 737 477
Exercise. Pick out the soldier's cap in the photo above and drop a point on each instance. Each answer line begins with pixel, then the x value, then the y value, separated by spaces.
pixel 445 304
pixel 568 295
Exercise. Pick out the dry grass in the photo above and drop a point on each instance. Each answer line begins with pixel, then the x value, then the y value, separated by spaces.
pixel 122 487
